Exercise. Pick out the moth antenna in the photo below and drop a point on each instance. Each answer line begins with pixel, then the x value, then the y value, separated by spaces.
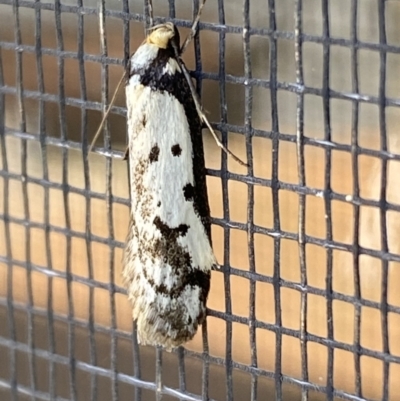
pixel 107 112
pixel 148 10
pixel 203 116
pixel 193 31
pixel 196 99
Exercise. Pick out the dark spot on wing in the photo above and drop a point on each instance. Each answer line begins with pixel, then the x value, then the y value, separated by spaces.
pixel 172 254
pixel 170 234
pixel 144 120
pixel 168 248
pixel 158 203
pixel 192 278
pixel 176 150
pixel 153 156
pixel 183 229
pixel 188 192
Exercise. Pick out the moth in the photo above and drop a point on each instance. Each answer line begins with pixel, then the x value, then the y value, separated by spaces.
pixel 168 255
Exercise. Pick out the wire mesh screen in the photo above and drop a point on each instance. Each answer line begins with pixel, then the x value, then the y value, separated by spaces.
pixel 306 304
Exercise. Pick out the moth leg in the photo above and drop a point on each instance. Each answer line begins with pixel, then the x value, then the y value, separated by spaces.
pixel 201 114
pixel 107 112
pixel 126 153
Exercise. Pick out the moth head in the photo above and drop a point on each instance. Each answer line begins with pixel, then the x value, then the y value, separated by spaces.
pixel 164 36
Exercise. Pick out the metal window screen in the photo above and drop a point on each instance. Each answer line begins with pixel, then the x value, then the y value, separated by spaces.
pixel 307 302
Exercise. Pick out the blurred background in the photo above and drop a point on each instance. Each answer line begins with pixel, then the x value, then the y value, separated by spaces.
pixel 67 216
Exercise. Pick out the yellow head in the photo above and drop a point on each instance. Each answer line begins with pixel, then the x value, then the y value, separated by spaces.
pixel 163 36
